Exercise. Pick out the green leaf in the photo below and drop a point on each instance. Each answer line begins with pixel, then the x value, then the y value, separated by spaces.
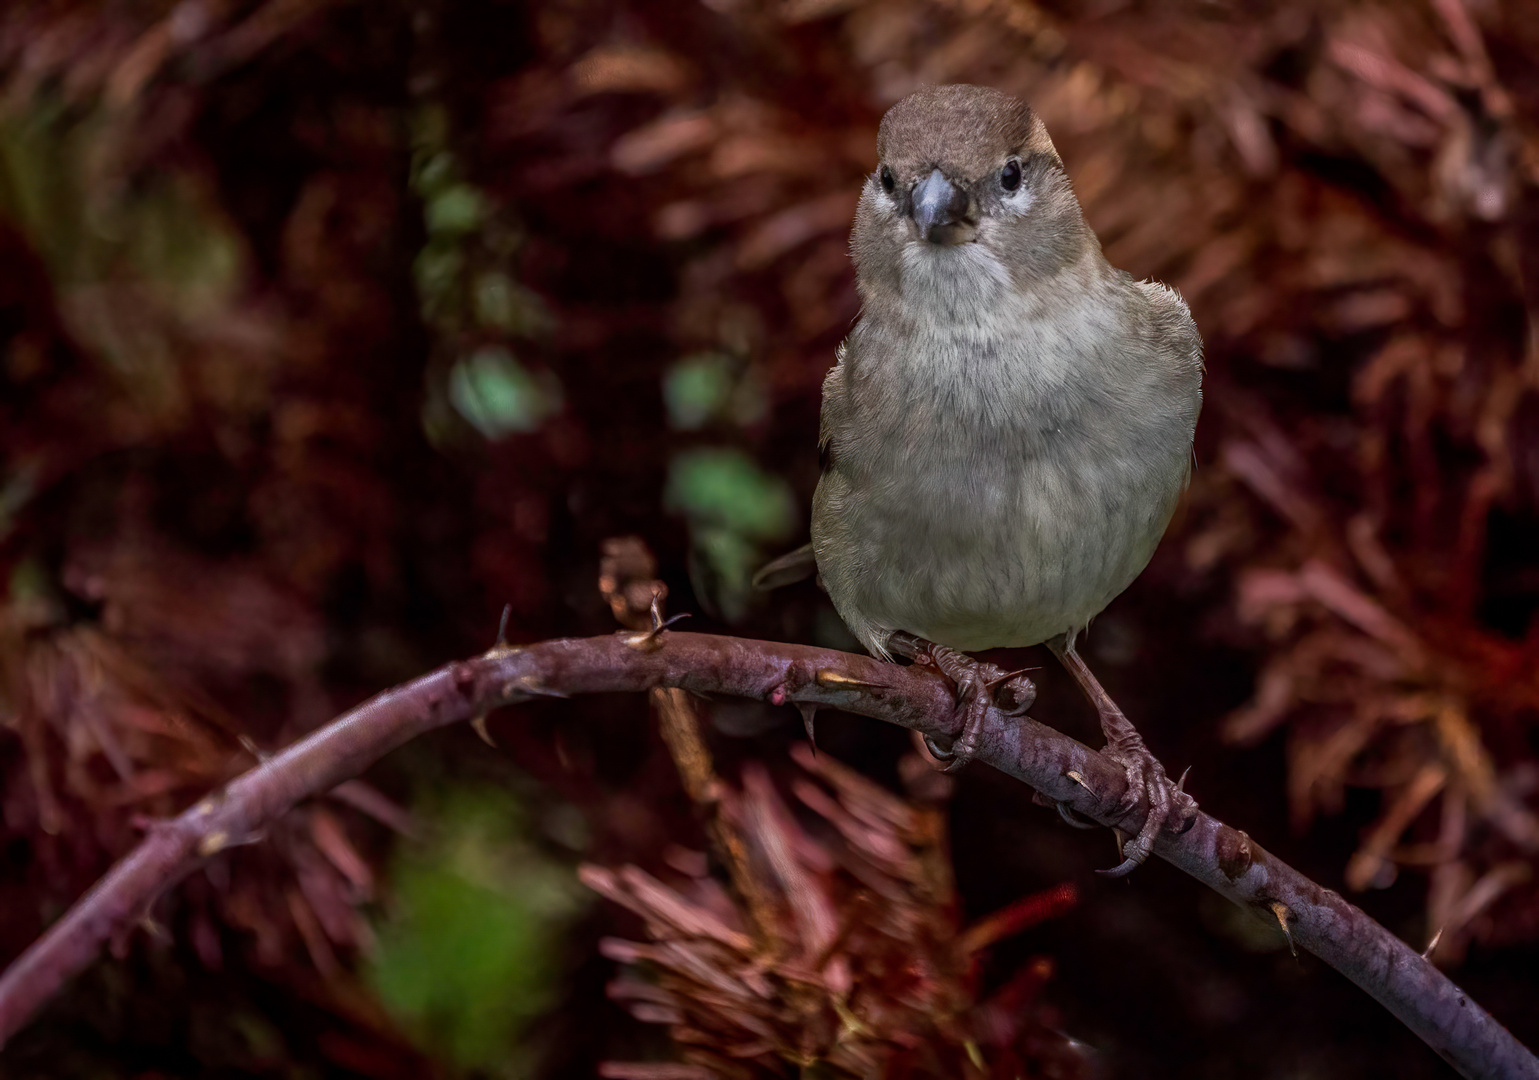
pixel 710 386
pixel 695 389
pixel 498 396
pixel 454 211
pixel 733 507
pixel 470 953
pixel 503 304
pixel 437 272
pixel 725 487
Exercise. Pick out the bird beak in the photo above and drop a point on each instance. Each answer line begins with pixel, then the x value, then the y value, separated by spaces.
pixel 940 210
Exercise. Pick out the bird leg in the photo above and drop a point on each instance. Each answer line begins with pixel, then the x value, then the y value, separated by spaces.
pixel 1168 805
pixel 979 685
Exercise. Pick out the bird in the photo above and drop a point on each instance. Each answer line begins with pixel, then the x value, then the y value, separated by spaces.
pixel 1007 428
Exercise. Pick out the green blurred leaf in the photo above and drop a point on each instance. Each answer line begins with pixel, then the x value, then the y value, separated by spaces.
pixel 166 234
pixel 454 211
pixel 497 302
pixel 720 486
pixel 429 124
pixel 136 259
pixel 470 953
pixel 695 389
pixel 434 170
pixel 498 396
pixel 437 272
pixel 711 386
pixel 733 507
pixel 503 304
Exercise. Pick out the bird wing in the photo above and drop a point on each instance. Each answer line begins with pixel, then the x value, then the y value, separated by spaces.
pixel 801 564
pixel 790 568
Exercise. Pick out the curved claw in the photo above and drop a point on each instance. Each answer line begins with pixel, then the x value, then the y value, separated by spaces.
pixel 1122 869
pixel 935 749
pixel 1137 850
pixel 1074 819
pixel 952 759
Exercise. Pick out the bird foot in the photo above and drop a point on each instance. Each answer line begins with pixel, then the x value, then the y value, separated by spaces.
pixel 1166 804
pixel 980 687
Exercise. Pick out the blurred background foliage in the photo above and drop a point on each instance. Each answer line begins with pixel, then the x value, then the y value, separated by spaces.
pixel 329 328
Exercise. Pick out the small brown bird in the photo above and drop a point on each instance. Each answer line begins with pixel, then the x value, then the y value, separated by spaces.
pixel 1008 427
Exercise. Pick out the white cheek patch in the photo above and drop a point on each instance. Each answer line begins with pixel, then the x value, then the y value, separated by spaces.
pixel 1019 201
pixel 878 204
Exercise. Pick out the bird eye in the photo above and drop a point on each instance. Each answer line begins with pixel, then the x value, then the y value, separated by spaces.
pixel 888 183
pixel 1010 175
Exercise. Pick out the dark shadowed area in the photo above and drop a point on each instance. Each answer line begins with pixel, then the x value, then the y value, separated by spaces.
pixel 329 328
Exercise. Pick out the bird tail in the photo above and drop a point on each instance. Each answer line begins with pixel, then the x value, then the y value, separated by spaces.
pixel 790 568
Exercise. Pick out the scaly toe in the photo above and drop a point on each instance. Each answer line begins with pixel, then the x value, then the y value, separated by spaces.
pixel 976 683
pixel 1167 805
pixel 1014 693
pixel 974 709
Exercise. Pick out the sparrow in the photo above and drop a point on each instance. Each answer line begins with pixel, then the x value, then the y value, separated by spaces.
pixel 1008 427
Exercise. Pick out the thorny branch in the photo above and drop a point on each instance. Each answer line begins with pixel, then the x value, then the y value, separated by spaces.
pixel 629 584
pixel 1061 768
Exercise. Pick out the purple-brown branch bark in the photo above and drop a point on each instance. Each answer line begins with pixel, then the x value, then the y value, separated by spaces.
pixel 1221 857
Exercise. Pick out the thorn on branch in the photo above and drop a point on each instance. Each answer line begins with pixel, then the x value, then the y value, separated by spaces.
pixel 835 680
pixel 249 745
pixel 666 623
pixel 808 711
pixel 527 685
pixel 1280 910
pixel 213 843
pixel 219 840
pixel 479 726
pixel 651 640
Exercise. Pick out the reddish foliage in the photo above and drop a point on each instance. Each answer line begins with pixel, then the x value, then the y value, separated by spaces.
pixel 226 514
pixel 863 968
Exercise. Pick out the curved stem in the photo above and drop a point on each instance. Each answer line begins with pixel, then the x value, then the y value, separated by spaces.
pixel 1063 769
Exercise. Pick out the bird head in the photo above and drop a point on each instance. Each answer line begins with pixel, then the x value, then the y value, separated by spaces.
pixel 960 166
